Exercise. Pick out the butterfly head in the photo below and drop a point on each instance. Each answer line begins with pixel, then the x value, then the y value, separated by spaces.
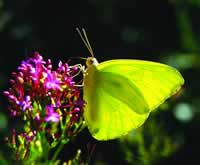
pixel 91 61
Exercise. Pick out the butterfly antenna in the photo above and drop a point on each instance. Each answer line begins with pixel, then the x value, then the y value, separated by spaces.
pixel 85 40
pixel 82 58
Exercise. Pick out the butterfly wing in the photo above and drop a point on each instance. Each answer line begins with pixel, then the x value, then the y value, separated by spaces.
pixel 155 81
pixel 107 116
pixel 119 95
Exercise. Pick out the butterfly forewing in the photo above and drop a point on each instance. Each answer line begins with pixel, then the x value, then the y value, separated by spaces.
pixel 155 81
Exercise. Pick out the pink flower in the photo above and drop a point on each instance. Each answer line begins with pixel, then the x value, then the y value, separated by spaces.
pixel 52 116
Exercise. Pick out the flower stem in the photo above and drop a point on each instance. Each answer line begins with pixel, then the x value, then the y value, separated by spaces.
pixel 60 147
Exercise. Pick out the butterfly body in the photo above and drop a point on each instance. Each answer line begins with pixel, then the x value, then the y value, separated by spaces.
pixel 121 93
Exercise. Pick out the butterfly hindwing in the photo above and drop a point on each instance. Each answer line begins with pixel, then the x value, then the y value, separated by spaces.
pixel 111 105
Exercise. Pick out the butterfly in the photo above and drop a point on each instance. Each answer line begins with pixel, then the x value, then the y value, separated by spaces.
pixel 121 93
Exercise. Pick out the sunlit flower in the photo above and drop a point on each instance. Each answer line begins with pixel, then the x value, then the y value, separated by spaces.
pixel 44 98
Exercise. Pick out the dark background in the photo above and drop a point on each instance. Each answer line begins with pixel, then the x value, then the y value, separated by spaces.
pixel 163 31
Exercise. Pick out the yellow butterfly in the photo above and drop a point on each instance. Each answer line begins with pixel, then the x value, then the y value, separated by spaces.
pixel 121 93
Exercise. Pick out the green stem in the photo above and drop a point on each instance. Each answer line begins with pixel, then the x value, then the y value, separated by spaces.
pixel 60 147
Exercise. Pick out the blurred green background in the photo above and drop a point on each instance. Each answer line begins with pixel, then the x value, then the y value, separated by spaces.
pixel 163 31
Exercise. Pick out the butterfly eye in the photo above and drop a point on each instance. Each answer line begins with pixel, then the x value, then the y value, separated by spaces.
pixel 91 61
